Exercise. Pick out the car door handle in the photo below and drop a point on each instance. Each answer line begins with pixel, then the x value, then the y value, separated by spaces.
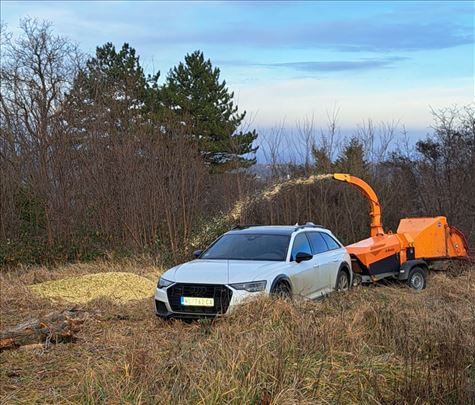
pixel 316 266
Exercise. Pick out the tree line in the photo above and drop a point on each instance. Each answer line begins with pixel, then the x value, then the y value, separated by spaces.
pixel 96 154
pixel 432 176
pixel 97 157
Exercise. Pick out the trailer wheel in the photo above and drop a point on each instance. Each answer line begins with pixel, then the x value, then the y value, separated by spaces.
pixel 357 280
pixel 417 279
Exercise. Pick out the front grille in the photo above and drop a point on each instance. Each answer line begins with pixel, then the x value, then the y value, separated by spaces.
pixel 221 294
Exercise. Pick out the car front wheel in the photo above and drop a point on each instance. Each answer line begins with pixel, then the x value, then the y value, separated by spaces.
pixel 281 290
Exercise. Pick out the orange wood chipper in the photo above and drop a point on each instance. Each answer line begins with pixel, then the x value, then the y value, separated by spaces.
pixel 406 254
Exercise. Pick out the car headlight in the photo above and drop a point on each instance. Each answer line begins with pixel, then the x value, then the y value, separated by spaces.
pixel 252 286
pixel 162 283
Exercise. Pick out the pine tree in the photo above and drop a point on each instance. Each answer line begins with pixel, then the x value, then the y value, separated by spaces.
pixel 193 91
pixel 323 162
pixel 112 90
pixel 352 159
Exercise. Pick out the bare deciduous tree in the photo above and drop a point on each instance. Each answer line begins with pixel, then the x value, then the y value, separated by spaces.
pixel 36 70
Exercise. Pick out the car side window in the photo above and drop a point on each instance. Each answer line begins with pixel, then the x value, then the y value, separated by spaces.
pixel 318 243
pixel 301 244
pixel 332 243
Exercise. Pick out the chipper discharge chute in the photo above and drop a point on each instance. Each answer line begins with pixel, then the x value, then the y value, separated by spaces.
pixel 406 254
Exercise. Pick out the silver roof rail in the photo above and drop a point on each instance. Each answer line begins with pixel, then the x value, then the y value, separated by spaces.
pixel 308 225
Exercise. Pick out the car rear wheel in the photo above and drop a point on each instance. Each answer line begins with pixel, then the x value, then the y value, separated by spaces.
pixel 343 281
pixel 281 290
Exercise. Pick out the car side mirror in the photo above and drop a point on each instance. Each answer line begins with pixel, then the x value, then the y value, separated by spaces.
pixel 302 256
pixel 197 253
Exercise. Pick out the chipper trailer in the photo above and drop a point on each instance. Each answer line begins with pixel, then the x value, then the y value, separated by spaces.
pixel 406 254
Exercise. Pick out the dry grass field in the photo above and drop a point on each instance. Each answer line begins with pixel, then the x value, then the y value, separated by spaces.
pixel 373 345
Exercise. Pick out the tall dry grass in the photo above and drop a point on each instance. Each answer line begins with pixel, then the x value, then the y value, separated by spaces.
pixel 382 344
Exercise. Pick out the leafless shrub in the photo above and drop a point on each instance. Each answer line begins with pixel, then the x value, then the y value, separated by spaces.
pixel 36 70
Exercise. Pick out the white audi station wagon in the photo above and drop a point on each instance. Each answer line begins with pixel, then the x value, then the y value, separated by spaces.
pixel 300 260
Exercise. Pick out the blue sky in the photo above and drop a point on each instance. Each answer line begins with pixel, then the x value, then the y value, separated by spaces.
pixel 388 61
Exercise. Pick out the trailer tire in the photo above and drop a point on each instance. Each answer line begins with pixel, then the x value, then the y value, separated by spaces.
pixel 357 280
pixel 417 279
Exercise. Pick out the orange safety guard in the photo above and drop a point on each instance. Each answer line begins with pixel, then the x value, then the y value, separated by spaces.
pixel 434 238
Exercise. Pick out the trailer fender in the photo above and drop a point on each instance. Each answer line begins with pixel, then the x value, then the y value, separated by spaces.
pixel 406 268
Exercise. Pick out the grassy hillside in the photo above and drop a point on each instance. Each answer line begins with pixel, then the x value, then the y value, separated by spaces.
pixel 382 344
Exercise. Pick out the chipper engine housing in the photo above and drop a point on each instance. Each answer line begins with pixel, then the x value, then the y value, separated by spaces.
pixel 417 242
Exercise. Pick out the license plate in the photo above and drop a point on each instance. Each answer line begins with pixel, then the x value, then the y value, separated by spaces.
pixel 197 301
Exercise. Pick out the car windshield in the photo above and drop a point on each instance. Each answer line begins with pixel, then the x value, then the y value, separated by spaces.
pixel 249 247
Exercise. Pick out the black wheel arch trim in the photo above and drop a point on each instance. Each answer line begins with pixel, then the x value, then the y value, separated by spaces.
pixel 407 266
pixel 278 279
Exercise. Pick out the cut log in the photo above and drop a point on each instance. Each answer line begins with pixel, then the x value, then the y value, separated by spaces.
pixel 55 327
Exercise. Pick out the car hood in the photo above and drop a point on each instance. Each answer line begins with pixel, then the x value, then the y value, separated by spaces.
pixel 204 271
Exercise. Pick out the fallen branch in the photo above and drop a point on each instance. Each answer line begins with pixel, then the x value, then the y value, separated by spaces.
pixel 55 327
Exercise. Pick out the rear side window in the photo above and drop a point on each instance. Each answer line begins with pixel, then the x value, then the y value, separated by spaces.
pixel 301 244
pixel 332 243
pixel 318 243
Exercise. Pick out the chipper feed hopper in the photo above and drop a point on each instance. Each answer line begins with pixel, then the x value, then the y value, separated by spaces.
pixel 406 254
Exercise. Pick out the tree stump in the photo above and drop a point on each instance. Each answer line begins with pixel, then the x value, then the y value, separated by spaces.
pixel 55 327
